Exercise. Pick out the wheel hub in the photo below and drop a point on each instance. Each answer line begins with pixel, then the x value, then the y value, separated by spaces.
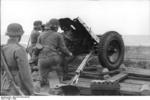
pixel 113 52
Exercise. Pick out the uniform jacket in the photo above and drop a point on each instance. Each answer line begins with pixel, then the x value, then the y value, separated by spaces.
pixel 17 61
pixel 53 43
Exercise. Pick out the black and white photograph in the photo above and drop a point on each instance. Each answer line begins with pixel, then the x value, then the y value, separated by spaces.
pixel 74 48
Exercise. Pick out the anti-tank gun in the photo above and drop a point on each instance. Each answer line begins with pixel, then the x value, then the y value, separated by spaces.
pixel 79 39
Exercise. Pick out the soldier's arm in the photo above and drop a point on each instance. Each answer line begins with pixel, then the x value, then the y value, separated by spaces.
pixel 24 70
pixel 63 47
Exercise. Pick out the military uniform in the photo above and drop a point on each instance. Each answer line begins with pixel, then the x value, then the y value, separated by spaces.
pixel 34 37
pixel 17 61
pixel 35 33
pixel 49 57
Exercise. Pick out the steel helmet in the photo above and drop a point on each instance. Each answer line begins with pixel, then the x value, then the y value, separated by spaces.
pixel 14 29
pixel 53 23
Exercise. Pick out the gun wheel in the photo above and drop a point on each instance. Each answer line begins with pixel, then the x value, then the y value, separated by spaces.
pixel 111 50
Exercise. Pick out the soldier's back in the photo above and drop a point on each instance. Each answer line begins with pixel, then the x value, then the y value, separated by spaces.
pixel 53 42
pixel 49 38
pixel 10 50
pixel 50 41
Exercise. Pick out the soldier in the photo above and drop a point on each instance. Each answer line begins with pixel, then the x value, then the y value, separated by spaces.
pixel 35 33
pixel 49 57
pixel 17 61
pixel 34 37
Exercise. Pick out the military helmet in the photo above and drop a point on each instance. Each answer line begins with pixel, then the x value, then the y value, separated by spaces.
pixel 37 23
pixel 53 23
pixel 14 29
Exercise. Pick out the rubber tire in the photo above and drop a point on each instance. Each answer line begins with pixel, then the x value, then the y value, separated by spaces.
pixel 105 39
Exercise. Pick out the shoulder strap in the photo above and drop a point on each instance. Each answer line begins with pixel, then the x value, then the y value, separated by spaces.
pixel 3 59
pixel 9 74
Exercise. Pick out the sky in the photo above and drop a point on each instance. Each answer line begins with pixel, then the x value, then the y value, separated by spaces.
pixel 128 17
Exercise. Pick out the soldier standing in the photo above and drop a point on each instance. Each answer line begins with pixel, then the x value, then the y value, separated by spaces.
pixel 49 58
pixel 34 37
pixel 17 61
pixel 35 33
